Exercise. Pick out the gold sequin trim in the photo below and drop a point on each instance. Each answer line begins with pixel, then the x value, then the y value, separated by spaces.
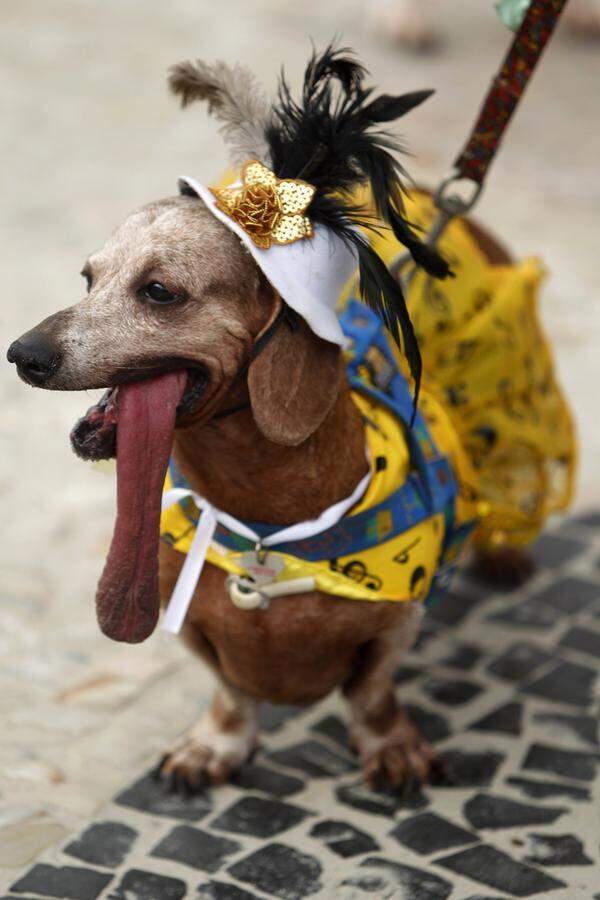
pixel 269 209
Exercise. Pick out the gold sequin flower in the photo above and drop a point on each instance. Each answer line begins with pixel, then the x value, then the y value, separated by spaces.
pixel 269 209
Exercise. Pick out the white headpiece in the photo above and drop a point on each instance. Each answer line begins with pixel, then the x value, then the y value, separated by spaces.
pixel 308 236
pixel 308 274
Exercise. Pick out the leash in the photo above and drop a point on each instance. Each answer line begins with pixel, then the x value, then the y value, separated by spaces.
pixel 507 88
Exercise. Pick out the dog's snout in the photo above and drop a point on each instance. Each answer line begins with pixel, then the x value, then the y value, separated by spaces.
pixel 36 357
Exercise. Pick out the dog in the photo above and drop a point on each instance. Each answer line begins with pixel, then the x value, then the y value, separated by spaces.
pixel 202 363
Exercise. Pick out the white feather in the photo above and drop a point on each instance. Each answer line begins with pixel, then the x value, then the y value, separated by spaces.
pixel 235 98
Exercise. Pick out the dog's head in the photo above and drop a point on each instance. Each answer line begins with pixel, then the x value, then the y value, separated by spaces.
pixel 174 290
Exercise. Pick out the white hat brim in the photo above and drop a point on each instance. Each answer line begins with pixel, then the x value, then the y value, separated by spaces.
pixel 309 274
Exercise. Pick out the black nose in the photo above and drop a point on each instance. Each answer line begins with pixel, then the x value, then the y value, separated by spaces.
pixel 36 357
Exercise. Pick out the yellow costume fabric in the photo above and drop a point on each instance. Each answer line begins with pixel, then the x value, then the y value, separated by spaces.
pixel 489 391
pixel 401 568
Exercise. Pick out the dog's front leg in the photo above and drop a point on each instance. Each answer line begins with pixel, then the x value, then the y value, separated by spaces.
pixel 221 740
pixel 216 745
pixel 391 748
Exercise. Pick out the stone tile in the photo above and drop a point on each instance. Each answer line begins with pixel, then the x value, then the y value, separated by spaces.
pixel 68 882
pixel 489 811
pixel 137 884
pixel 334 728
pixel 565 683
pixel 464 656
pixel 430 833
pixel 469 769
pixel 103 844
pixel 259 817
pixel 570 763
pixel 497 870
pixel 552 550
pixel 526 614
pixel 221 890
pixel 453 608
pixel 542 789
pixel 518 661
pixel 570 595
pixel 280 871
pixel 24 837
pixel 557 850
pixel 583 727
pixel 404 674
pixel 586 640
pixel 429 629
pixel 343 838
pixel 254 777
pixel 313 759
pixel 432 726
pixel 272 717
pixel 195 848
pixel 384 878
pixel 382 802
pixel 505 719
pixel 151 796
pixel 451 691
pixel 588 520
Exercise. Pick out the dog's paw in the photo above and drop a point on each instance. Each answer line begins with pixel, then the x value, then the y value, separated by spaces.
pixel 206 754
pixel 399 756
pixel 505 568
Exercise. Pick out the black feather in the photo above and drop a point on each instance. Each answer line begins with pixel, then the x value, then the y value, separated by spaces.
pixel 385 108
pixel 330 139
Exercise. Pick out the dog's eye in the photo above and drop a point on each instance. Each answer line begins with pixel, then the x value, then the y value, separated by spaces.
pixel 156 292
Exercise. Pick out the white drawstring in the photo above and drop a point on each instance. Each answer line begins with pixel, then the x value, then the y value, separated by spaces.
pixel 191 570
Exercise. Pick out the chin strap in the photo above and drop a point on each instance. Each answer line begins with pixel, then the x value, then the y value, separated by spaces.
pixel 285 314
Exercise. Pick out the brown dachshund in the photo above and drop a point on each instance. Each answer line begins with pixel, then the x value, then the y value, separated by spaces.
pixel 298 650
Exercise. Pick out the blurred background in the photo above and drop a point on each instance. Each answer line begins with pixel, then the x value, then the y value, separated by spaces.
pixel 88 132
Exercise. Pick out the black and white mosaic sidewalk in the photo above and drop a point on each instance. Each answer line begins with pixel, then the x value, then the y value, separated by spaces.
pixel 503 684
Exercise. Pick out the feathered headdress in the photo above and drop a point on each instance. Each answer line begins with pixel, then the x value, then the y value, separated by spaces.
pixel 303 161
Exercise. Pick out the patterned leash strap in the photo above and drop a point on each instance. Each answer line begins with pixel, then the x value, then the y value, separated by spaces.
pixel 507 89
pixel 501 101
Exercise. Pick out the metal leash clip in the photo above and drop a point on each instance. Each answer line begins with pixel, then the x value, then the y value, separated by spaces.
pixel 449 205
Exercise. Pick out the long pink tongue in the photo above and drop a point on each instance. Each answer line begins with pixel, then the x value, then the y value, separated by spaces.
pixel 127 599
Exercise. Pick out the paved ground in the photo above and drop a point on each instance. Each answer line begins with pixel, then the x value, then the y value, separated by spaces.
pixel 503 685
pixel 88 133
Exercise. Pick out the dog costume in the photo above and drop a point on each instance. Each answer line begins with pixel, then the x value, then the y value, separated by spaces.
pixel 490 449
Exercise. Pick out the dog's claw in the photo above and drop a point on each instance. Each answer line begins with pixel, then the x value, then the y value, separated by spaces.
pixel 408 787
pixel 156 772
pixel 439 773
pixel 171 783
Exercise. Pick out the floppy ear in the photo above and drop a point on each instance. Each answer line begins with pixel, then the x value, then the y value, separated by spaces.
pixel 293 382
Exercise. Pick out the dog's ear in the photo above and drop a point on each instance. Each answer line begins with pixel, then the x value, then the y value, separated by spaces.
pixel 293 382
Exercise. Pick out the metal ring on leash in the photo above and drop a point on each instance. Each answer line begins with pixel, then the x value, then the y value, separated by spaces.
pixel 449 204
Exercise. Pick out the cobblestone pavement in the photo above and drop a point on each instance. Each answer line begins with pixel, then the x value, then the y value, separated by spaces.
pixel 88 133
pixel 503 685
